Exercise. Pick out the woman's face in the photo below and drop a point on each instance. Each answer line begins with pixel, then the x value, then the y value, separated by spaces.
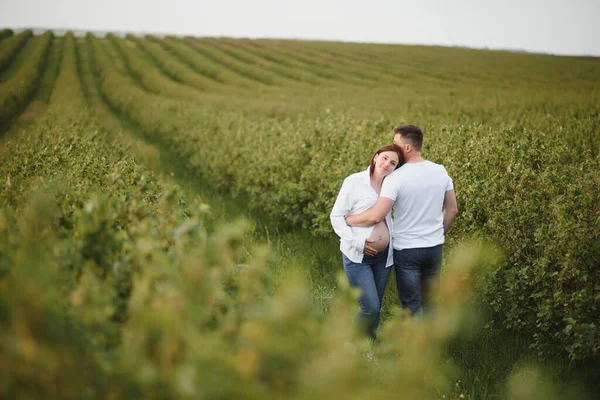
pixel 386 162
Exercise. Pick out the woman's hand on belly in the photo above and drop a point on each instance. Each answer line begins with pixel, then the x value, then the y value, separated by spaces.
pixel 369 249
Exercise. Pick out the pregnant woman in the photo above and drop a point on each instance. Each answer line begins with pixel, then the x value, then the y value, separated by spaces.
pixel 366 251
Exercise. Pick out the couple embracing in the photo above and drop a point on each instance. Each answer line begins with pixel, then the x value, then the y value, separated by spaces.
pixel 421 194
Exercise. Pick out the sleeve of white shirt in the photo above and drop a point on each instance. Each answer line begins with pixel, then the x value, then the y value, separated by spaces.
pixel 341 208
pixel 389 189
pixel 450 183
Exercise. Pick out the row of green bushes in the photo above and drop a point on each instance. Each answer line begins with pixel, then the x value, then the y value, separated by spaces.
pixel 245 168
pixel 315 66
pixel 201 64
pixel 51 70
pixel 522 189
pixel 16 92
pixel 176 70
pixel 6 33
pixel 273 57
pixel 11 46
pixel 362 70
pixel 262 74
pixel 432 95
pixel 468 67
pixel 68 251
pixel 245 56
pixel 526 189
pixel 149 75
pixel 396 67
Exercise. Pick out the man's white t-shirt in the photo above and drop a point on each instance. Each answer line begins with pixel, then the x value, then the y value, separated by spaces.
pixel 418 191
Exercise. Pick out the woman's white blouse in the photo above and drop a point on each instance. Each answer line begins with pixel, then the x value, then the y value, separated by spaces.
pixel 355 196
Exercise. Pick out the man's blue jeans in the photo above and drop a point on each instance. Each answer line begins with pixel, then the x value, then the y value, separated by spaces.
pixel 370 277
pixel 417 270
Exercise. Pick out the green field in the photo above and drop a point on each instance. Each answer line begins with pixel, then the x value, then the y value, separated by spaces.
pixel 164 219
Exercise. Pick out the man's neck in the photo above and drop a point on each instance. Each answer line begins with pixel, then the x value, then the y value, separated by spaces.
pixel 413 159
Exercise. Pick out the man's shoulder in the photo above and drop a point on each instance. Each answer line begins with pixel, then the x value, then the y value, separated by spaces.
pixel 432 164
pixel 395 178
pixel 435 166
pixel 417 171
pixel 396 174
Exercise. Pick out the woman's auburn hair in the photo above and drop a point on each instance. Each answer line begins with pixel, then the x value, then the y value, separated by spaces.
pixel 390 147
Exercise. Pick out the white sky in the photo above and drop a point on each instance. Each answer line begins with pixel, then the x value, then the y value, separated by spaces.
pixel 552 26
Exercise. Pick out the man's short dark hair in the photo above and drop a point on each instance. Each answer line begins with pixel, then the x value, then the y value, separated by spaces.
pixel 411 133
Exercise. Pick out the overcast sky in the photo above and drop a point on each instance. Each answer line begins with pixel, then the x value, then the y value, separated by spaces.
pixel 552 26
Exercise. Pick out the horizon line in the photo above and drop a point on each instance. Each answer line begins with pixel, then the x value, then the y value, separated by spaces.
pixel 123 33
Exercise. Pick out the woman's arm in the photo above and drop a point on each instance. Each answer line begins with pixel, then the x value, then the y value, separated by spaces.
pixel 341 208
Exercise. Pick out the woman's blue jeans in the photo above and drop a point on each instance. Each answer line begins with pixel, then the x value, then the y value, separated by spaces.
pixel 370 276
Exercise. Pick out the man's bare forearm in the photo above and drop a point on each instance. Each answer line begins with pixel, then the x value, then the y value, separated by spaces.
pixel 450 209
pixel 366 218
pixel 373 215
pixel 449 216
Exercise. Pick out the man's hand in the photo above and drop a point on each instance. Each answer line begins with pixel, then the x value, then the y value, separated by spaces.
pixel 369 251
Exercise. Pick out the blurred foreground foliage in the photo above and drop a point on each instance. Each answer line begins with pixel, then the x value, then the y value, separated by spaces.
pixel 204 317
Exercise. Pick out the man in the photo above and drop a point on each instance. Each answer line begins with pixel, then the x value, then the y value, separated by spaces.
pixel 422 195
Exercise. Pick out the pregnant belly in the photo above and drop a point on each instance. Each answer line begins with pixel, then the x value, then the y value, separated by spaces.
pixel 380 236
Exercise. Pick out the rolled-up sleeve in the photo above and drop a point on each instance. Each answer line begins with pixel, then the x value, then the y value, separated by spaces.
pixel 389 188
pixel 449 183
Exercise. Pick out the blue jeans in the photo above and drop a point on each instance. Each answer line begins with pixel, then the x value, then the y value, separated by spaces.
pixel 417 270
pixel 370 276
